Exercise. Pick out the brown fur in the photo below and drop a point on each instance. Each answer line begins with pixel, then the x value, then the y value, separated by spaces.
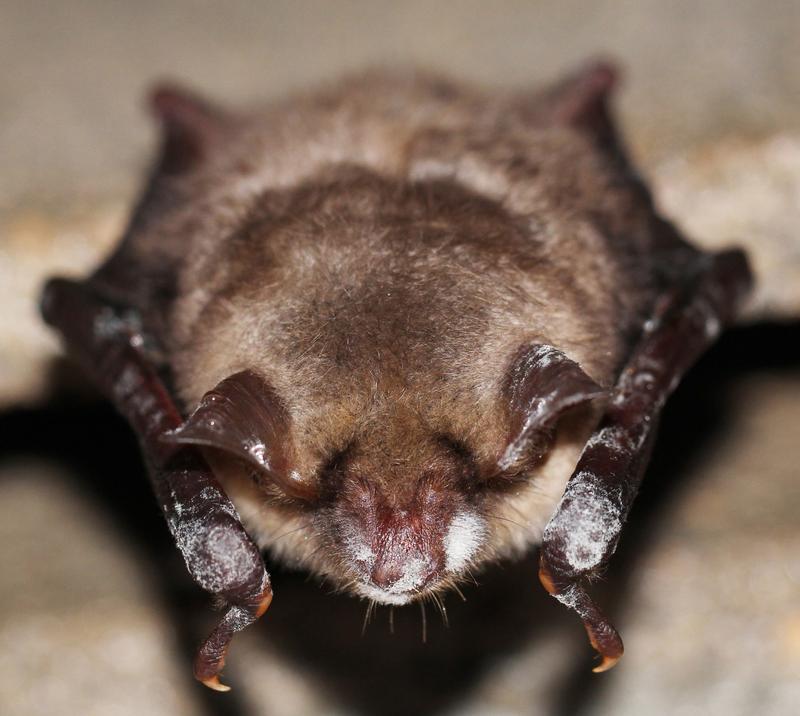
pixel 378 252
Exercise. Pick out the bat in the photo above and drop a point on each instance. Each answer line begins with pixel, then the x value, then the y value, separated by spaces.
pixel 409 325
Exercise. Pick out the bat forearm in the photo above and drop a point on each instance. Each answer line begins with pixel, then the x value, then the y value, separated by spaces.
pixel 583 533
pixel 219 554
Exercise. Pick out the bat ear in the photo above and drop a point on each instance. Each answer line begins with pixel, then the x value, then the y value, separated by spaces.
pixel 243 416
pixel 581 100
pixel 542 384
pixel 584 90
pixel 192 126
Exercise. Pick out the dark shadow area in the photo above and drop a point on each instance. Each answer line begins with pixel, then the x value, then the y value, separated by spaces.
pixel 387 671
pixel 395 673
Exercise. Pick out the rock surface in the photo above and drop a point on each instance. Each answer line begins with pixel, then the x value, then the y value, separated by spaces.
pixel 746 193
pixel 34 246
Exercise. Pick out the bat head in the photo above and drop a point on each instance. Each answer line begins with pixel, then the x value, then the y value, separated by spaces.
pixel 401 510
pixel 386 411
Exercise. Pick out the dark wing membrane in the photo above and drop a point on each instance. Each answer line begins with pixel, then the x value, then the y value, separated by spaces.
pixel 140 275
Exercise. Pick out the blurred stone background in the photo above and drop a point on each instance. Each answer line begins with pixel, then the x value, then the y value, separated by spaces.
pixel 97 616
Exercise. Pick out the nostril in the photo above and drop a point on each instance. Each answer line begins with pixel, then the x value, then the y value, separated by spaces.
pixel 386 574
pixel 411 574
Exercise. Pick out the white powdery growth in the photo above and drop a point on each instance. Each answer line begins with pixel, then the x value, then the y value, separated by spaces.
pixel 404 589
pixel 414 571
pixel 587 522
pixel 615 439
pixel 464 536
pixel 382 596
pixel 357 545
pixel 214 557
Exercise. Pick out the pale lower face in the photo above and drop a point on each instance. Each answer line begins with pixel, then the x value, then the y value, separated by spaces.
pixel 414 572
pixel 395 556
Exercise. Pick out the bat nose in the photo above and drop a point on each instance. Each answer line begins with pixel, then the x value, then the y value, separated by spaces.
pixel 411 573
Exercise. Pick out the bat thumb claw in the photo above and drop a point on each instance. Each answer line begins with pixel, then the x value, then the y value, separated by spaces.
pixel 215 684
pixel 603 637
pixel 607 663
pixel 210 658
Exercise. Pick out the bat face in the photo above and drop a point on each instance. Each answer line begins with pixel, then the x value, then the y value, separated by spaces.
pixel 399 544
pixel 402 511
pixel 409 327
pixel 394 392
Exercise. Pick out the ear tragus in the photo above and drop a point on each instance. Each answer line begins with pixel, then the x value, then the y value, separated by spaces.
pixel 542 384
pixel 243 416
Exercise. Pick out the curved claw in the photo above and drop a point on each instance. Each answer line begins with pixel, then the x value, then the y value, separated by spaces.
pixel 263 605
pixel 607 663
pixel 210 658
pixel 215 684
pixel 603 637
